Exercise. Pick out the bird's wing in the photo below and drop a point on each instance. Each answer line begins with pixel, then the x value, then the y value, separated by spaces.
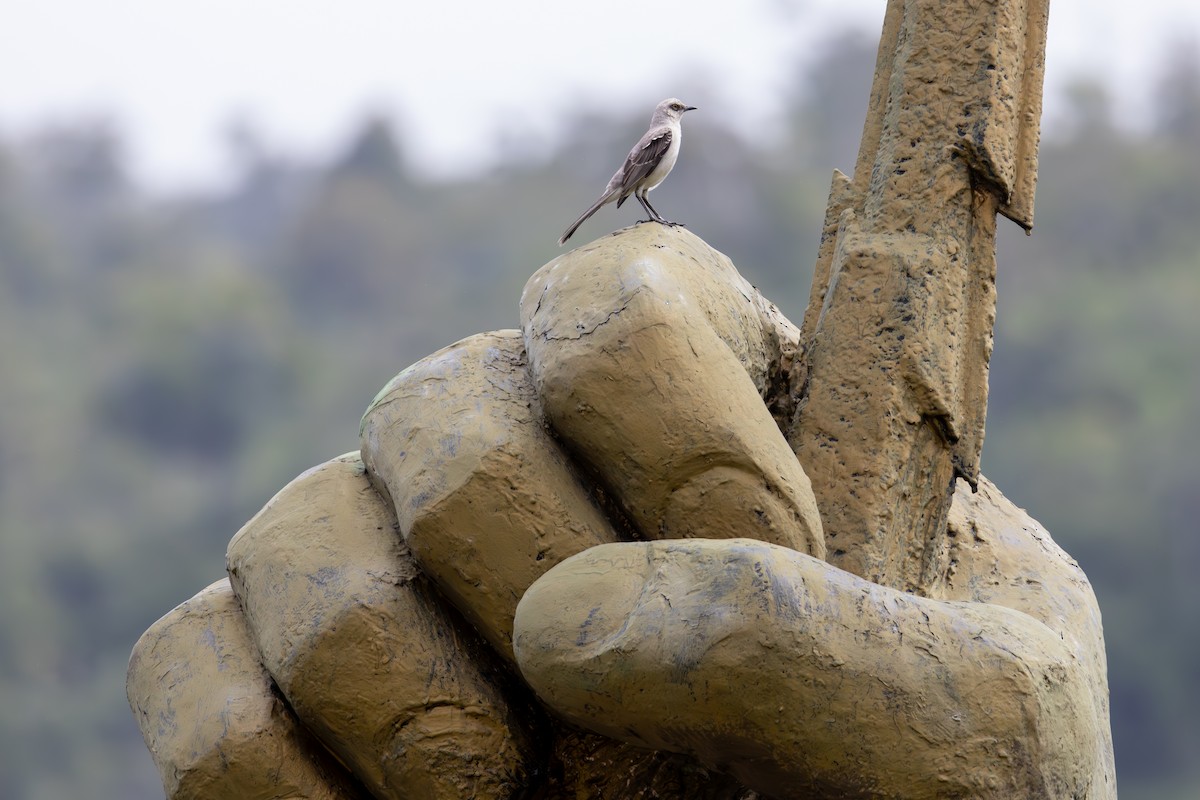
pixel 643 158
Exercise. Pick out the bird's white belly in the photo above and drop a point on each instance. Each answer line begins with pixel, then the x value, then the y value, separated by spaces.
pixel 665 165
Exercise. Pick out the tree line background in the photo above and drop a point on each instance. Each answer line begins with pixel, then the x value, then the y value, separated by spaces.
pixel 170 361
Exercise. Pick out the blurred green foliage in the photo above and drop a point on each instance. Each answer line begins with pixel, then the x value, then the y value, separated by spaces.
pixel 170 362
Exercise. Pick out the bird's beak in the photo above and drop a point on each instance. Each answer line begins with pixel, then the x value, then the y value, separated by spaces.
pixel 690 108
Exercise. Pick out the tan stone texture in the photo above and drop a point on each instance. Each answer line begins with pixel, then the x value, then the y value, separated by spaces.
pixel 363 650
pixel 651 355
pixel 486 499
pixel 816 606
pixel 211 716
pixel 806 681
pixel 488 502
pixel 898 331
pixel 995 553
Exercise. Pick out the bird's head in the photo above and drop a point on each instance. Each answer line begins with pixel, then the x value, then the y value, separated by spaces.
pixel 669 110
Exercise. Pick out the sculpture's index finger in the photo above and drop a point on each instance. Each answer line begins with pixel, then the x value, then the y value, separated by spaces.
pixel 486 499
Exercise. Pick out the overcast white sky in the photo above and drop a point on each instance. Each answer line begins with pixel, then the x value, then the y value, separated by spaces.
pixel 454 74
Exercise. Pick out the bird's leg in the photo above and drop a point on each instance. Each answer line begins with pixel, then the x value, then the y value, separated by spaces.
pixel 654 215
pixel 657 217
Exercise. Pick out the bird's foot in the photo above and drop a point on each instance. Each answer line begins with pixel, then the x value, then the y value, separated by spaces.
pixel 671 224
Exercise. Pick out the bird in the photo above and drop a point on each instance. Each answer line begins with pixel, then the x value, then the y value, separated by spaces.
pixel 648 163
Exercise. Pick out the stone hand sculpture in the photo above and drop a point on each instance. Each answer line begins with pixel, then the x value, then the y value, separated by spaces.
pixel 661 543
pixel 752 656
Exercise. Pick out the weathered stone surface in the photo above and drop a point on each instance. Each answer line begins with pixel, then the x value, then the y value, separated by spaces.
pixel 946 648
pixel 488 502
pixel 593 767
pixel 879 421
pixel 996 553
pixel 651 356
pixel 485 498
pixel 363 650
pixel 898 331
pixel 211 716
pixel 806 681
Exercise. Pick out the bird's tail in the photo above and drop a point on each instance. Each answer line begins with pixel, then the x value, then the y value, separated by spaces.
pixel 569 232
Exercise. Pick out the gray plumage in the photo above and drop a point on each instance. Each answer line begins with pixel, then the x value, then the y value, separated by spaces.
pixel 648 163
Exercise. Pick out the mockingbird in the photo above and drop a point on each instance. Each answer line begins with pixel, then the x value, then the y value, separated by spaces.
pixel 650 160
